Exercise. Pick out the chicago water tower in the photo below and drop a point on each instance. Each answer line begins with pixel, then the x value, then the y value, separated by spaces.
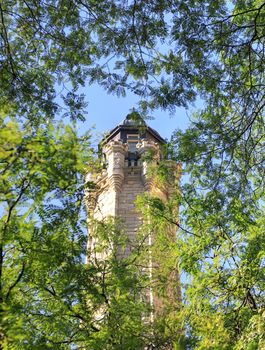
pixel 125 152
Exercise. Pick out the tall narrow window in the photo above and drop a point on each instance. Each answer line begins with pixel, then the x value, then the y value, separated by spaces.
pixel 132 141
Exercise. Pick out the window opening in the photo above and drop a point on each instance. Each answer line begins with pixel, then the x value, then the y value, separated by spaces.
pixel 132 141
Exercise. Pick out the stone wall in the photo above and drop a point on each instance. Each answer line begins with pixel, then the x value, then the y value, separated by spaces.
pixel 132 187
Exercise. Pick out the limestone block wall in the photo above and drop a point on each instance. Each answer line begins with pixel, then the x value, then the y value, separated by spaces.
pixel 132 187
pixel 105 204
pixel 119 203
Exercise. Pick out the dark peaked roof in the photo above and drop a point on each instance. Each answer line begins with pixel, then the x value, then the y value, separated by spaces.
pixel 133 121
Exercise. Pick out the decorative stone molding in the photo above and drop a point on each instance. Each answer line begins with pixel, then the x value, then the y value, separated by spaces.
pixel 145 145
pixel 115 146
pixel 115 154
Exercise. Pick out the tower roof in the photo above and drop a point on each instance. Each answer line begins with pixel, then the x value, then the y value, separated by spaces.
pixel 133 123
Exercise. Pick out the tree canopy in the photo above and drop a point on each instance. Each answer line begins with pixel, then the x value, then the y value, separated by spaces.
pixel 168 53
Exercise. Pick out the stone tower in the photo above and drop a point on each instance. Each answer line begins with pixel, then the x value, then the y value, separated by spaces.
pixel 126 175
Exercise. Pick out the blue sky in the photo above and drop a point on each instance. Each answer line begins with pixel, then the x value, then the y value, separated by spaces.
pixel 105 111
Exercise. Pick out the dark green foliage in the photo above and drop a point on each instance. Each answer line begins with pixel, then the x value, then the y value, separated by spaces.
pixel 168 54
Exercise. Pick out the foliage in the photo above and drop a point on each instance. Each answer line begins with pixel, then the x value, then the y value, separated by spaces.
pixel 164 52
pixel 49 297
pixel 168 54
pixel 42 239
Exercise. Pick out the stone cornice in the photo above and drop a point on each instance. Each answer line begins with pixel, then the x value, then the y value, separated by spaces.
pixel 115 146
pixel 147 145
